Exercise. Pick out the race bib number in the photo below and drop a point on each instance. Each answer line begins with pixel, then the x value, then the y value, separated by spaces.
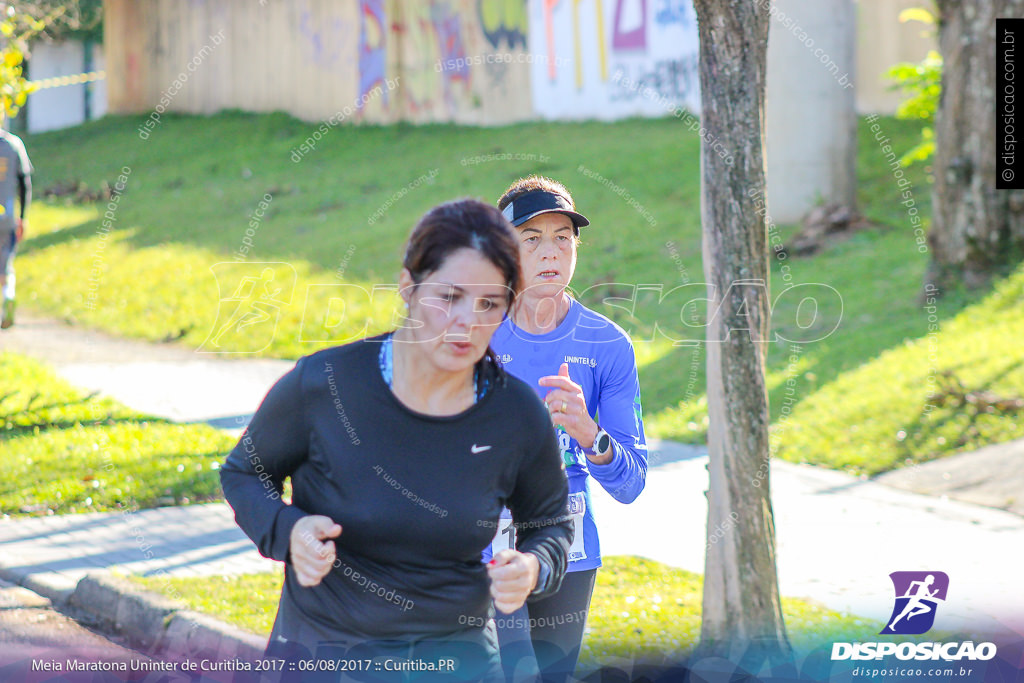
pixel 505 539
pixel 577 507
pixel 565 446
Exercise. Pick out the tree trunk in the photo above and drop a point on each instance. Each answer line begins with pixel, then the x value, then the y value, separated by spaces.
pixel 741 595
pixel 976 229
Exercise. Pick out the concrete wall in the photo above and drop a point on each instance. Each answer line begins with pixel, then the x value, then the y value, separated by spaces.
pixel 491 62
pixel 383 60
pixel 883 41
pixel 810 118
pixel 57 107
pixel 467 61
pixel 471 61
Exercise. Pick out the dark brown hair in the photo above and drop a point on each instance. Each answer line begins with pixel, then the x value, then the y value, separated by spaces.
pixel 464 224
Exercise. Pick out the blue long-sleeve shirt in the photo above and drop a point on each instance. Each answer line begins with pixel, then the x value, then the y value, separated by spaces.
pixel 601 360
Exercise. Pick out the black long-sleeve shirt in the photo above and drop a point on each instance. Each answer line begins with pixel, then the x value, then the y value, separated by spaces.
pixel 418 497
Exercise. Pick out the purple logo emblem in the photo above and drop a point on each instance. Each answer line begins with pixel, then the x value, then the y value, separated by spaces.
pixel 917 597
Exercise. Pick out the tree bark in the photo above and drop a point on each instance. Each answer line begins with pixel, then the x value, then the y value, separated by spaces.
pixel 741 606
pixel 976 229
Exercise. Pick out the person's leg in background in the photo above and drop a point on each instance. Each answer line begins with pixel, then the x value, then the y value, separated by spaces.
pixel 557 623
pixel 517 659
pixel 8 245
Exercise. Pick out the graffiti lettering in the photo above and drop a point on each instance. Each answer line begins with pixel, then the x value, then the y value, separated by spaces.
pixel 372 32
pixel 672 79
pixel 635 38
pixel 503 20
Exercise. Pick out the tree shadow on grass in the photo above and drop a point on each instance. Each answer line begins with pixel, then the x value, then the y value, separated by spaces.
pixel 665 383
pixel 155 486
pixel 36 243
pixel 58 425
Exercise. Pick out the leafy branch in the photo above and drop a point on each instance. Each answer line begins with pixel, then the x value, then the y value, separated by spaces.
pixel 922 83
pixel 16 29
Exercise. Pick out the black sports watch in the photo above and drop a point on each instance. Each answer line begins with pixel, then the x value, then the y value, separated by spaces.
pixel 602 442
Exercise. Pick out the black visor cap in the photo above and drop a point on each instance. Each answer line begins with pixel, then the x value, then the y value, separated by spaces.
pixel 537 202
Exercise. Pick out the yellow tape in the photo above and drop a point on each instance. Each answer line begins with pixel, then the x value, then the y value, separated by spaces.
pixel 75 79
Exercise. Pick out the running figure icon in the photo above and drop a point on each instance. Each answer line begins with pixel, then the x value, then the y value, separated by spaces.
pixel 252 303
pixel 917 597
pixel 914 605
pixel 247 318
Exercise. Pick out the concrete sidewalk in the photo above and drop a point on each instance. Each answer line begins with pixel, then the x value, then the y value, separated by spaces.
pixel 52 554
pixel 838 539
pixel 167 380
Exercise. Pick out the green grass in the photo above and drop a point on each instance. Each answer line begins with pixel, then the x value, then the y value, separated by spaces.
pixel 248 601
pixel 194 184
pixel 647 610
pixel 883 414
pixel 640 609
pixel 66 451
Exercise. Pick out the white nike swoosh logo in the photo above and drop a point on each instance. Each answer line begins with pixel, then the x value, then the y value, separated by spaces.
pixel 479 449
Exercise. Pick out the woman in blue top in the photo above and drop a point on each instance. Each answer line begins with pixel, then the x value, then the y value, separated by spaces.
pixel 583 366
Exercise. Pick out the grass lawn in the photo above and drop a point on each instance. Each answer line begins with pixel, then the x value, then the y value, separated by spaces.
pixel 336 221
pixel 880 415
pixel 66 451
pixel 641 608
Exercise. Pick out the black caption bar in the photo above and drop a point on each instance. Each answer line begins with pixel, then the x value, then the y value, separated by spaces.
pixel 1009 150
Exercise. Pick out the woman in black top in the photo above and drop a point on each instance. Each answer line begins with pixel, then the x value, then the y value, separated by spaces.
pixel 402 450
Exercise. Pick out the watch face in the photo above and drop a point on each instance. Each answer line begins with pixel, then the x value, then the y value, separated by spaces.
pixel 603 442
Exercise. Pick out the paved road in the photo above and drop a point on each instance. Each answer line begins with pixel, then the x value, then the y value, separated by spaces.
pixel 31 630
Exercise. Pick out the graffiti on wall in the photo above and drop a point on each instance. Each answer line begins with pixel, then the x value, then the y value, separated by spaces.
pixel 599 36
pixel 503 22
pixel 434 57
pixel 448 33
pixel 325 41
pixel 630 32
pixel 372 48
pixel 674 80
pixel 672 12
pixel 651 46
